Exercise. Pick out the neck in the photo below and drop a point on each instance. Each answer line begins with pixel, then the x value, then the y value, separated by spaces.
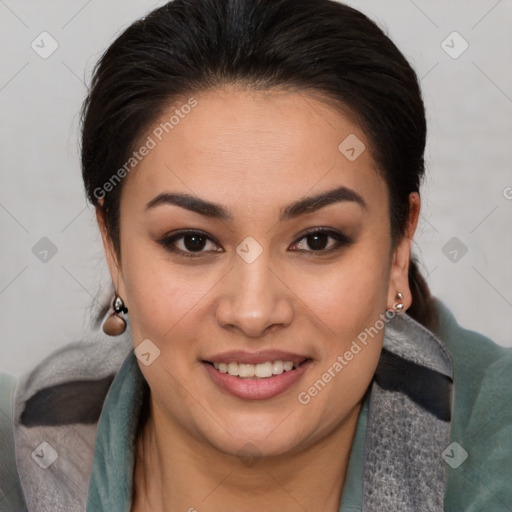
pixel 186 474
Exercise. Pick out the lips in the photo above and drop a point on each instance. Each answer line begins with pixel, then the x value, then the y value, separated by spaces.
pixel 256 375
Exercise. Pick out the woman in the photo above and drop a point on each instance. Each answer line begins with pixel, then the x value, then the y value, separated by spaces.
pixel 255 168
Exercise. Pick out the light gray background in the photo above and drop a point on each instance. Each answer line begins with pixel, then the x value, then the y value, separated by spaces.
pixel 467 195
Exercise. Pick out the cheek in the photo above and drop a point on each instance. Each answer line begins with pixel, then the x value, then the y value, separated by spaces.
pixel 350 295
pixel 160 296
pixel 352 306
pixel 350 301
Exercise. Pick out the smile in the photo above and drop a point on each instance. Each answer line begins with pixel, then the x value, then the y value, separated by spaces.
pixel 256 381
pixel 260 371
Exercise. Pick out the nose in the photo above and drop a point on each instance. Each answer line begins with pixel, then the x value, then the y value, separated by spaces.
pixel 256 299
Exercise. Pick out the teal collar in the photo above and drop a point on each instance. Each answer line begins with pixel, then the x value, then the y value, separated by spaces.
pixel 110 487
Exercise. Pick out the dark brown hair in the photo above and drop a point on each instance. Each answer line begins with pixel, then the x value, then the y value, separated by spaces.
pixel 320 45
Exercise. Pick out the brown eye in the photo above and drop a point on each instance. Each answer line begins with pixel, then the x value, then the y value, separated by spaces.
pixel 188 243
pixel 194 242
pixel 318 241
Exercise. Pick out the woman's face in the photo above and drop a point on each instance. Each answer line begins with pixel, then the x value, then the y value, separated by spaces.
pixel 257 172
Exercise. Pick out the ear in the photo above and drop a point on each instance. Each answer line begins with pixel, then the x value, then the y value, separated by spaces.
pixel 399 276
pixel 113 262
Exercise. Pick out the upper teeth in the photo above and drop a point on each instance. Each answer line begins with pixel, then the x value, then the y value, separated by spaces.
pixel 262 370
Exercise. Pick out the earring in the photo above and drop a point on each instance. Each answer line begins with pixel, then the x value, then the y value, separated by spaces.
pixel 398 306
pixel 115 325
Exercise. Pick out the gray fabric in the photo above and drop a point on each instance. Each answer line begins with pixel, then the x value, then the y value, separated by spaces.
pixel 63 486
pixel 408 339
pixel 403 468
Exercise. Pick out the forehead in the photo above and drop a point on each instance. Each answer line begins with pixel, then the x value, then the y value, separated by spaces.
pixel 254 148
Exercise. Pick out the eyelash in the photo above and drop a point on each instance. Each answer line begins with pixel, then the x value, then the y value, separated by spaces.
pixel 341 239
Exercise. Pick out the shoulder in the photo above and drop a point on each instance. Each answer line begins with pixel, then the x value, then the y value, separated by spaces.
pixel 480 452
pixel 481 366
pixel 482 373
pixel 53 414
pixel 7 386
pixel 11 495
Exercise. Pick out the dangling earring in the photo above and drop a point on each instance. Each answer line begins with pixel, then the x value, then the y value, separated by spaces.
pixel 398 306
pixel 115 325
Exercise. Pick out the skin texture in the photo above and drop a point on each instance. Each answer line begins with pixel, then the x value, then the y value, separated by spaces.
pixel 254 153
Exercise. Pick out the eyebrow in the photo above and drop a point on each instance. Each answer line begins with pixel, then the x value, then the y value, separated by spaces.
pixel 302 206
